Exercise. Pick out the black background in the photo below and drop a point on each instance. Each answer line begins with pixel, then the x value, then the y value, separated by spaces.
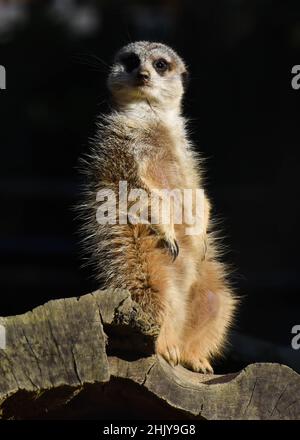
pixel 244 118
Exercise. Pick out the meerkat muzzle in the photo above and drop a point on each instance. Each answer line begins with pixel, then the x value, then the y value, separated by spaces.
pixel 142 77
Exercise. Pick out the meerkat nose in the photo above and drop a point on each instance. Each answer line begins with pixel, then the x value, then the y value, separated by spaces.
pixel 143 75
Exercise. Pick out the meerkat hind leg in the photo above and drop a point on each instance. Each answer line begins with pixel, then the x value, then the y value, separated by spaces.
pixel 168 343
pixel 210 311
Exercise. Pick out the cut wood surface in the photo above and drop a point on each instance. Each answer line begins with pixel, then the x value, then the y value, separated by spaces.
pixel 92 358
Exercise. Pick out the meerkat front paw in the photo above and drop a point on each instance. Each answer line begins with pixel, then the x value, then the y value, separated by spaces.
pixel 199 365
pixel 167 345
pixel 167 240
pixel 172 247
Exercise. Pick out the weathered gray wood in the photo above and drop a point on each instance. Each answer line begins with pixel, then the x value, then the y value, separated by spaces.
pixel 92 357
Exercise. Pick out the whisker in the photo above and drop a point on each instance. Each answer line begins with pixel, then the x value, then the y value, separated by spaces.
pixel 93 61
pixel 100 60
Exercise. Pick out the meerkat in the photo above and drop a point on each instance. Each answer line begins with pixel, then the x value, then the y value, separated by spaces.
pixel 176 278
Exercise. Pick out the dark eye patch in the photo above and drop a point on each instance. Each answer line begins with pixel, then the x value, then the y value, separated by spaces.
pixel 130 61
pixel 161 65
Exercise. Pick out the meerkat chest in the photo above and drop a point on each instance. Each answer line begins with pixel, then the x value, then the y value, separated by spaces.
pixel 169 166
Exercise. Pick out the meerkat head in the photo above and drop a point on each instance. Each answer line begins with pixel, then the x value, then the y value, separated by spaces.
pixel 150 72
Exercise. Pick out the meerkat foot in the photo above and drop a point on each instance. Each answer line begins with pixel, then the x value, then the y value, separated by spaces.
pixel 199 365
pixel 167 346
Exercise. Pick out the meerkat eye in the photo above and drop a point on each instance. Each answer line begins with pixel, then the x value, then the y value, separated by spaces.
pixel 161 65
pixel 131 61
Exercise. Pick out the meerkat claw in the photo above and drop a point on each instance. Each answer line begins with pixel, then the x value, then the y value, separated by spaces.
pixel 172 247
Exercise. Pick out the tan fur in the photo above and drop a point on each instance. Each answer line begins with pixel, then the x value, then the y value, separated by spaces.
pixel 144 142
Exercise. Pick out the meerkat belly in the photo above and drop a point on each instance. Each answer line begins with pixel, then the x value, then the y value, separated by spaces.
pixel 167 179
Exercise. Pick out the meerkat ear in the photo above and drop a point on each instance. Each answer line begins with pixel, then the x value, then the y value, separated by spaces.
pixel 185 79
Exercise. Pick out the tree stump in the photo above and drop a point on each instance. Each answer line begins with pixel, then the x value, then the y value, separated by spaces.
pixel 92 358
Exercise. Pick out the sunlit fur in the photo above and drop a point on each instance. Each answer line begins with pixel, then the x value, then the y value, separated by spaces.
pixel 144 141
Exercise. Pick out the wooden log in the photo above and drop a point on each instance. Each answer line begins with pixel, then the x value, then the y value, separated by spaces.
pixel 92 358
